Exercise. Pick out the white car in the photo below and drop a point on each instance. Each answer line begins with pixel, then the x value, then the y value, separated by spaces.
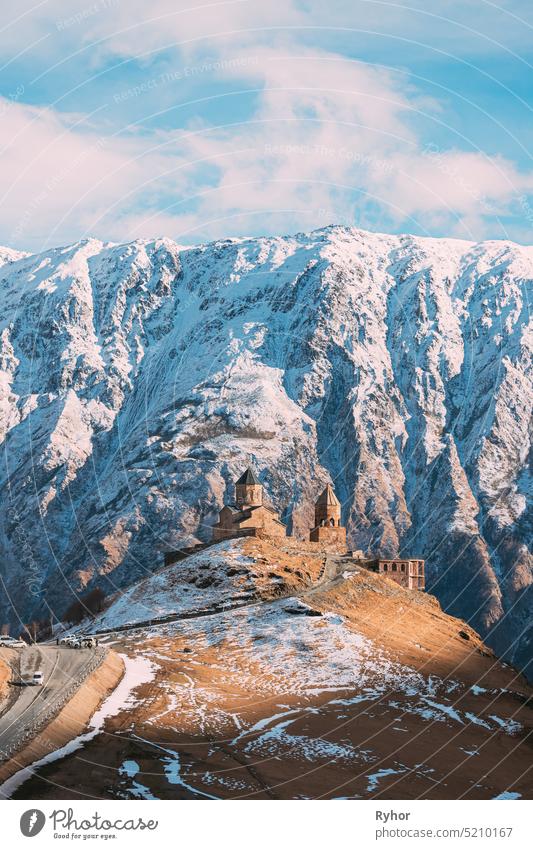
pixel 11 643
pixel 37 680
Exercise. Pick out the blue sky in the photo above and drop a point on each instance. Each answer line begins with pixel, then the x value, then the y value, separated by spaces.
pixel 125 120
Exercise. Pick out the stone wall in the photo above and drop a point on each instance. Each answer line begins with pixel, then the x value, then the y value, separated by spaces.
pixel 330 538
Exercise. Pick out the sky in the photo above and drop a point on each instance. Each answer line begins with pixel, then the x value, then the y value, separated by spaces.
pixel 123 119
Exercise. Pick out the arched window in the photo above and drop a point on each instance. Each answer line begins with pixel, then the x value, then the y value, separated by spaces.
pixel 394 567
pixel 385 567
pixel 332 523
pixel 402 567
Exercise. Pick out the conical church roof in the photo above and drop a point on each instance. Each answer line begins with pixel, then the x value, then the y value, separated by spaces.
pixel 328 497
pixel 248 478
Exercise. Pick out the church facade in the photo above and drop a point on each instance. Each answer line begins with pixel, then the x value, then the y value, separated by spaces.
pixel 248 515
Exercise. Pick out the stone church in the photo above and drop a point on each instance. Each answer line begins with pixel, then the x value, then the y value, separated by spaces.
pixel 248 515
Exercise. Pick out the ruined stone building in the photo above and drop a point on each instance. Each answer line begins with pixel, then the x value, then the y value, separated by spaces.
pixel 248 515
pixel 408 573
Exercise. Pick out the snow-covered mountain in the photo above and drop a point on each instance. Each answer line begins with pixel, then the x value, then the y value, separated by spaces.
pixel 138 380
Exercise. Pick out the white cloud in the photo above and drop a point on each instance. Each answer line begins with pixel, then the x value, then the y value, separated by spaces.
pixel 111 29
pixel 55 172
pixel 327 140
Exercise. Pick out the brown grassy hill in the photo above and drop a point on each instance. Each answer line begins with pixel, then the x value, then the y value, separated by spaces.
pixel 356 689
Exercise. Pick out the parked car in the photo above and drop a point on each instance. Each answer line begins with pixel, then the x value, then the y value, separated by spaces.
pixel 37 679
pixel 78 641
pixel 11 643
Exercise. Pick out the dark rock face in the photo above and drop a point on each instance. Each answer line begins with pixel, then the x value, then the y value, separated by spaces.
pixel 138 381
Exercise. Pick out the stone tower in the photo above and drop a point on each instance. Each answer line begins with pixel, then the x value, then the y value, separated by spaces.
pixel 248 491
pixel 328 530
pixel 328 509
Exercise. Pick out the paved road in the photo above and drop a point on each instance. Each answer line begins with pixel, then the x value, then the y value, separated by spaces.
pixel 59 665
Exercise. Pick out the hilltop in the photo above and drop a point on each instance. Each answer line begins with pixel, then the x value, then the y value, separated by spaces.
pixel 350 688
pixel 225 575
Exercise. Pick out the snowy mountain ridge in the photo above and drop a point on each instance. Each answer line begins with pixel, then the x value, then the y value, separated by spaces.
pixel 139 379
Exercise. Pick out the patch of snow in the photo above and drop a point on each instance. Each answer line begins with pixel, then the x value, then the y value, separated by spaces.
pixel 283 643
pixel 173 589
pixel 477 720
pixel 139 791
pixel 367 695
pixel 510 726
pixel 334 618
pixel 129 768
pixel 448 710
pixel 263 723
pixel 277 743
pixel 173 769
pixel 375 778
